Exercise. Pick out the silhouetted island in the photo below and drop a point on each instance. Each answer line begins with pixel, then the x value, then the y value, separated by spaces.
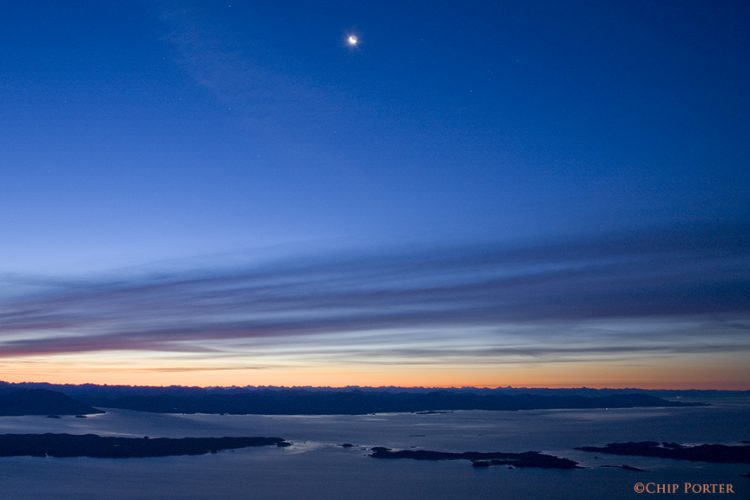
pixel 17 402
pixel 716 453
pixel 481 459
pixel 624 467
pixel 91 445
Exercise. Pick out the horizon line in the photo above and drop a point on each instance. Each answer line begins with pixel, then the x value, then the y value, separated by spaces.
pixel 437 387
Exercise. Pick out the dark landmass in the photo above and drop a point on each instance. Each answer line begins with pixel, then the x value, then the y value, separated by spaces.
pixel 347 445
pixel 715 453
pixel 294 402
pixel 91 445
pixel 481 459
pixel 625 467
pixel 326 401
pixel 17 402
pixel 81 390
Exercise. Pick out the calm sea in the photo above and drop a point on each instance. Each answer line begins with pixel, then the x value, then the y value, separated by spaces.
pixel 317 467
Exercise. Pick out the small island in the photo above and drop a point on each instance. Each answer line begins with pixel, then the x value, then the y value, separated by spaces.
pixel 624 467
pixel 481 459
pixel 92 445
pixel 715 453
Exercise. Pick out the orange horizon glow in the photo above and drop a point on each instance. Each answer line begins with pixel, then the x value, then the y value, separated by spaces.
pixel 719 373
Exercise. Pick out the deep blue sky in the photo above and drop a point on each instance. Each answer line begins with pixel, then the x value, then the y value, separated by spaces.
pixel 138 132
pixel 135 134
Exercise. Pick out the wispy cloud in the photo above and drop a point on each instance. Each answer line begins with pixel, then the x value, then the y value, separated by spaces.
pixel 658 292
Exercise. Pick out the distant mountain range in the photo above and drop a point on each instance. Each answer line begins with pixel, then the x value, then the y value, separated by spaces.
pixel 49 399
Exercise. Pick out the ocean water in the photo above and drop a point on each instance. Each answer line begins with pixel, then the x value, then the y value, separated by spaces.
pixel 317 467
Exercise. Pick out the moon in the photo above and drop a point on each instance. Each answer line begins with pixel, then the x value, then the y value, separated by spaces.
pixel 352 40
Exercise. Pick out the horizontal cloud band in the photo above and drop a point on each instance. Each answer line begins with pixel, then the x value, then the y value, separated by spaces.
pixel 692 276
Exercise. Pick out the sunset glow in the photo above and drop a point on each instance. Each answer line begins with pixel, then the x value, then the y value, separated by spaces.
pixel 189 197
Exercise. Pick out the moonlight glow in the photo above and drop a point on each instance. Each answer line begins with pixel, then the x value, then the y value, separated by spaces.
pixel 352 40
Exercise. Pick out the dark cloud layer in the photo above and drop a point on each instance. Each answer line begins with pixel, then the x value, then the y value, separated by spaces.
pixel 698 276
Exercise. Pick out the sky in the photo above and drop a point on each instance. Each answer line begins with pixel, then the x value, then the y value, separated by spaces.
pixel 477 193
